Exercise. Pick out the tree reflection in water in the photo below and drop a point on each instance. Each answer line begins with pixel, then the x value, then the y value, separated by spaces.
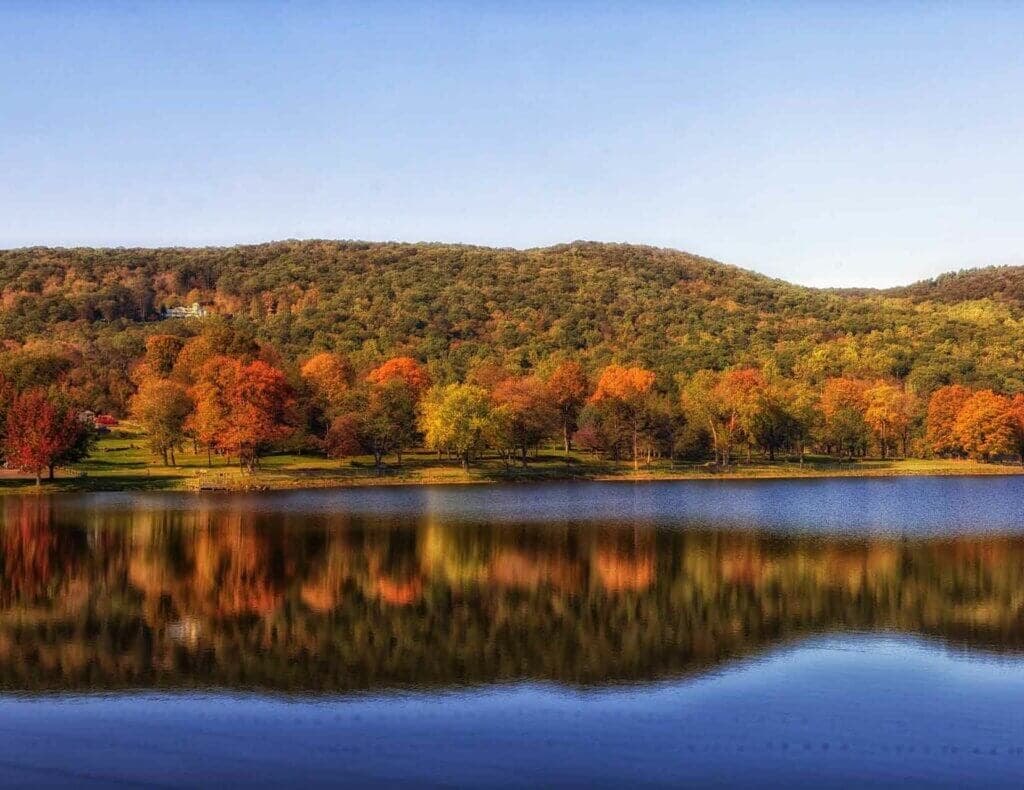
pixel 297 603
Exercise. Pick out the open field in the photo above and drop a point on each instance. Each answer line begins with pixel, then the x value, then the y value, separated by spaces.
pixel 121 461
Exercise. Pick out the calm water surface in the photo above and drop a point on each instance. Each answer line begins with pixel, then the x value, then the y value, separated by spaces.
pixel 812 632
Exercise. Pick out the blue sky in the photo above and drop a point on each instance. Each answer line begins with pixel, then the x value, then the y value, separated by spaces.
pixel 829 144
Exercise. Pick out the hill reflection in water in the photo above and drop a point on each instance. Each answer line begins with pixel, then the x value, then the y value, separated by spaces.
pixel 222 598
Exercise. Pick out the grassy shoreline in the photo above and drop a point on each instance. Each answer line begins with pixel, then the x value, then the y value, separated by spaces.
pixel 121 462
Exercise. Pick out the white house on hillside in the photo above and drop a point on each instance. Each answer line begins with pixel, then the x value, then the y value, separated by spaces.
pixel 195 310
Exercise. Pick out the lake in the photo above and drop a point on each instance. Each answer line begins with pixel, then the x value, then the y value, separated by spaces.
pixel 816 632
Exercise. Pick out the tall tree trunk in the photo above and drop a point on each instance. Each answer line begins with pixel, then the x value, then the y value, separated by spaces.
pixel 714 443
pixel 50 472
pixel 565 436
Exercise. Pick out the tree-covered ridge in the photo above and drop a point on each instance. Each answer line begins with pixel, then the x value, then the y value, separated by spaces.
pixel 667 310
pixel 1003 283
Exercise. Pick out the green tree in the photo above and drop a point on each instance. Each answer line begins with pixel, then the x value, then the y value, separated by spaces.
pixel 388 423
pixel 161 407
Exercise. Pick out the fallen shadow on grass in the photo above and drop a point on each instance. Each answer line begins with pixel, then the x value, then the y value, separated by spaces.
pixel 548 467
pixel 86 483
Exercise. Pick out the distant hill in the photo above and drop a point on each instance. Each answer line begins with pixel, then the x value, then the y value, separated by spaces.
pixel 1005 283
pixel 456 305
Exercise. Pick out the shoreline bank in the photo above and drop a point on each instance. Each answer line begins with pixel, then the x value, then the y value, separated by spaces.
pixel 290 473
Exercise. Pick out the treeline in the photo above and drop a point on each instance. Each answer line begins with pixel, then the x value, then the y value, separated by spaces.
pixel 223 394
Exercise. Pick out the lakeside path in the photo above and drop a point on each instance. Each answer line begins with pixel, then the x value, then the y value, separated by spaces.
pixel 121 462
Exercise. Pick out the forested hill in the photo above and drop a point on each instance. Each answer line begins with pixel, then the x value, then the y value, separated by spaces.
pixel 457 306
pixel 1005 283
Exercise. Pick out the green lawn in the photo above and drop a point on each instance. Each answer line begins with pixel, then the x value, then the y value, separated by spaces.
pixel 122 460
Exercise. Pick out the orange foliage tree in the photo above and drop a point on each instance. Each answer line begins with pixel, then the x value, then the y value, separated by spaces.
pixel 330 376
pixel 985 426
pixel 568 386
pixel 193 356
pixel 1017 413
pixel 940 423
pixel 630 390
pixel 209 411
pixel 242 408
pixel 405 369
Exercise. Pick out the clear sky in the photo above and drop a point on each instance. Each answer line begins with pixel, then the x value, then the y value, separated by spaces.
pixel 829 144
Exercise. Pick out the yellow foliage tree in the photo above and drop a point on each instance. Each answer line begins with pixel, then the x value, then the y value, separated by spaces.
pixel 455 418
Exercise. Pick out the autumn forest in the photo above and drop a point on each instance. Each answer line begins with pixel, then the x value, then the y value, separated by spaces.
pixel 631 354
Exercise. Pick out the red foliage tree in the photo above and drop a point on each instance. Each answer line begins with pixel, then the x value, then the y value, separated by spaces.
pixel 343 437
pixel 38 433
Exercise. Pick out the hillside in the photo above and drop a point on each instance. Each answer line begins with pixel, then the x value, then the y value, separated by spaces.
pixel 1005 283
pixel 459 305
